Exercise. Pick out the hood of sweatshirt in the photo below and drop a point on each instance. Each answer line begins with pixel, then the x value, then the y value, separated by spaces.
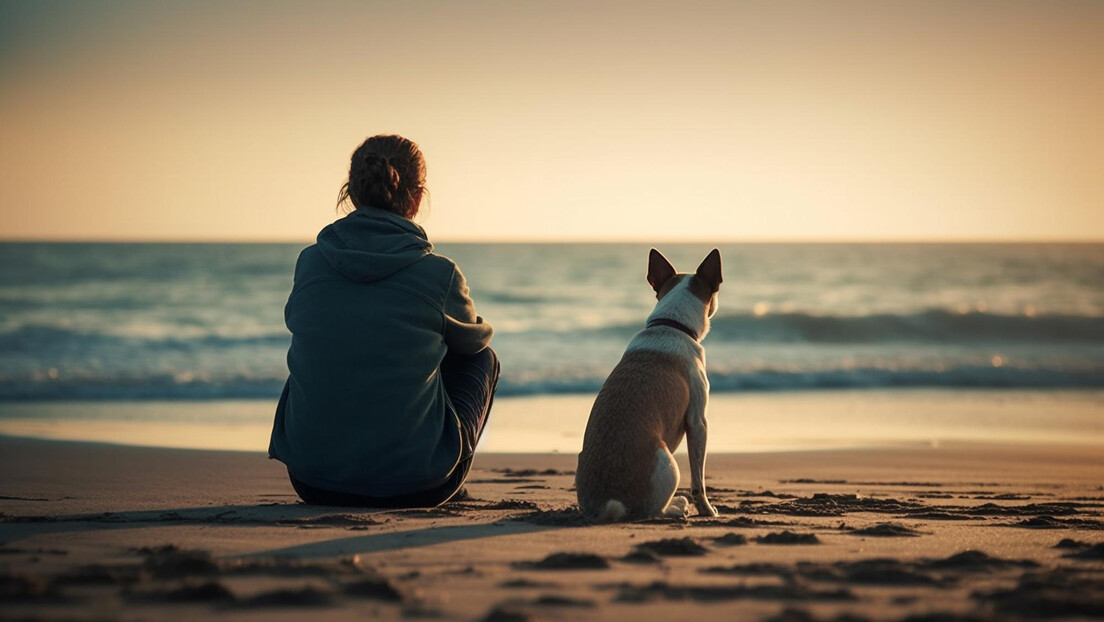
pixel 371 244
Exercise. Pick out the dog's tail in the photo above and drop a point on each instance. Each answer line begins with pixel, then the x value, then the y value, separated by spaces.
pixel 612 512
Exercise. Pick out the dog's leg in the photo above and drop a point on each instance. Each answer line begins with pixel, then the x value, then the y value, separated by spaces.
pixel 695 442
pixel 696 432
pixel 665 479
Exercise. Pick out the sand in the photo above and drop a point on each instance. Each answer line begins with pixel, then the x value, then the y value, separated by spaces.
pixel 957 532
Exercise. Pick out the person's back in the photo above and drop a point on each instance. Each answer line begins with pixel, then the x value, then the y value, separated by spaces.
pixel 369 415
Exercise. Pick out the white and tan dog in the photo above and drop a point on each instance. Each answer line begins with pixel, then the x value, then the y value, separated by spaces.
pixel 657 393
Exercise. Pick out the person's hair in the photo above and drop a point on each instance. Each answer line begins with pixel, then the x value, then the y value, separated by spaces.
pixel 386 172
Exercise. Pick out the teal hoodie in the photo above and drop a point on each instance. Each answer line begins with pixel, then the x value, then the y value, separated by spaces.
pixel 372 313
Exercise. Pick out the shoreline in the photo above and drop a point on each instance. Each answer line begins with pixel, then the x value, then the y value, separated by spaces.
pixel 739 422
pixel 907 446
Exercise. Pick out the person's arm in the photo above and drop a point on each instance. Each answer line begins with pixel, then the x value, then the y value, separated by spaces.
pixel 465 332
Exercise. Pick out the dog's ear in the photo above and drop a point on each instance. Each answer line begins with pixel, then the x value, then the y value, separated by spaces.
pixel 710 270
pixel 659 270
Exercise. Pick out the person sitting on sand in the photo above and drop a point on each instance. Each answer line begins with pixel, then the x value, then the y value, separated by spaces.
pixel 391 377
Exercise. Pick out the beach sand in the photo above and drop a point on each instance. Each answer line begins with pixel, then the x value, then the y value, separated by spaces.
pixel 968 531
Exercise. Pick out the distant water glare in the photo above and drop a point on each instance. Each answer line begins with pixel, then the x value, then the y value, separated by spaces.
pixel 205 321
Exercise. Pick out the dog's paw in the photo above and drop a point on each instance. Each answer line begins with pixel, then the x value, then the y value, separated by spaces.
pixel 679 507
pixel 705 508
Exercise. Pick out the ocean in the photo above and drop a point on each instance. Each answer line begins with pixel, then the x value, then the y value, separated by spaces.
pixel 171 323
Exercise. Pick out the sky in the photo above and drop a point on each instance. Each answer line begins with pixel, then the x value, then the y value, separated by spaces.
pixel 558 120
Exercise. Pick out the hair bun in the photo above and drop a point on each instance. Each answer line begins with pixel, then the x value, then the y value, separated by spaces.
pixel 378 169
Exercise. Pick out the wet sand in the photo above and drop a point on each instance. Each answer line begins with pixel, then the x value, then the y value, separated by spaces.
pixel 954 533
pixel 738 422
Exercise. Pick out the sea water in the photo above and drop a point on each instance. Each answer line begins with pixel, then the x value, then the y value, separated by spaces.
pixel 198 323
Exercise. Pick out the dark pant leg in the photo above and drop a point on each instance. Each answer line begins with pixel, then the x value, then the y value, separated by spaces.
pixel 470 382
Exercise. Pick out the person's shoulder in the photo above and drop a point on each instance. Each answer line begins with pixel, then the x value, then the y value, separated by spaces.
pixel 311 267
pixel 441 264
pixel 446 274
pixel 311 250
pixel 309 258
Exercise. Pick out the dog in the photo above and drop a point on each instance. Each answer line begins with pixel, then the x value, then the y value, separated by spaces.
pixel 655 395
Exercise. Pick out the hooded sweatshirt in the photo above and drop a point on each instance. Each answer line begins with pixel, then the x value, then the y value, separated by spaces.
pixel 372 313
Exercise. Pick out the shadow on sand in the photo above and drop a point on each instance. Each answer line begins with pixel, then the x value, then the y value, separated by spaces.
pixel 14 528
pixel 396 540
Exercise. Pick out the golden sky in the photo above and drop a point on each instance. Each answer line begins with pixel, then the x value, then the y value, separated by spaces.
pixel 557 120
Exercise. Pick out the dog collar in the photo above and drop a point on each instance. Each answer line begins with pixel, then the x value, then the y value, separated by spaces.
pixel 662 321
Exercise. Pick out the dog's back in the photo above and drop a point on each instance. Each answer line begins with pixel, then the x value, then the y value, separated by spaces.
pixel 638 414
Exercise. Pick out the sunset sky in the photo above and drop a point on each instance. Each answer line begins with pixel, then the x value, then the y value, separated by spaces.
pixel 605 121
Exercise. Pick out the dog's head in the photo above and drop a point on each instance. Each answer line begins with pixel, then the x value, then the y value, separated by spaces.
pixel 704 283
